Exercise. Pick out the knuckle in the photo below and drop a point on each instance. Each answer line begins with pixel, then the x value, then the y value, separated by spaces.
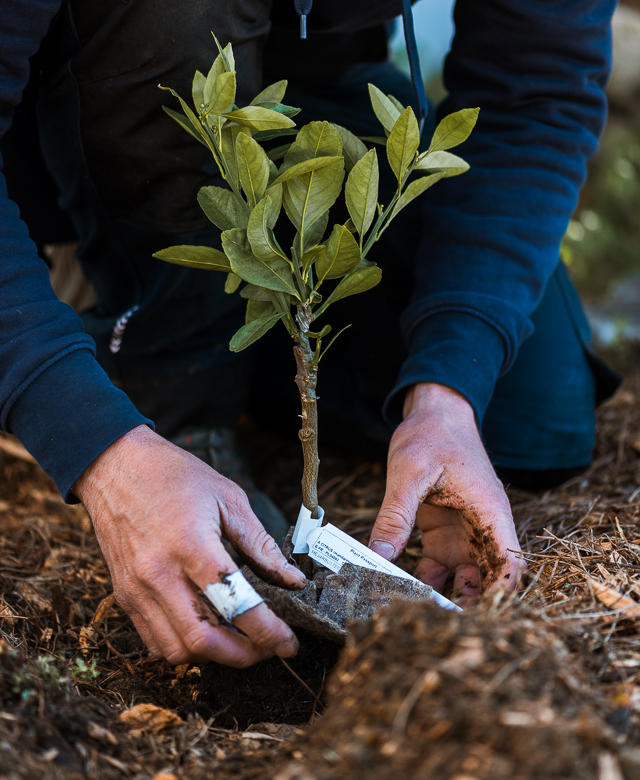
pixel 395 515
pixel 151 571
pixel 177 656
pixel 268 637
pixel 197 643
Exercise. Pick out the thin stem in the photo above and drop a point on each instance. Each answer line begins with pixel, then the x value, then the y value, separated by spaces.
pixel 306 379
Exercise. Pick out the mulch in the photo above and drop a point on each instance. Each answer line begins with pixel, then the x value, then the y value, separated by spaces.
pixel 544 684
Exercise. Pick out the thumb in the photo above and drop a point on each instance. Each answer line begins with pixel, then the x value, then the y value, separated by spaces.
pixel 258 549
pixel 395 521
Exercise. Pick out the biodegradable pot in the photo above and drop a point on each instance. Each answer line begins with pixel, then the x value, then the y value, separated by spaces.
pixel 330 602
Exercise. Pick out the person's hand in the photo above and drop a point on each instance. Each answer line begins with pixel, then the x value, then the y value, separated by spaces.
pixel 439 476
pixel 160 515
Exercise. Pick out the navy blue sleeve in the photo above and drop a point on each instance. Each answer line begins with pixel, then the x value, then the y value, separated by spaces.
pixel 53 395
pixel 537 69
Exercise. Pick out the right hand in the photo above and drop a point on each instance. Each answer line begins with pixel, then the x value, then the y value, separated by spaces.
pixel 160 515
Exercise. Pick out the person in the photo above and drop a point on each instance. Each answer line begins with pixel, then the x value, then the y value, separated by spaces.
pixel 472 356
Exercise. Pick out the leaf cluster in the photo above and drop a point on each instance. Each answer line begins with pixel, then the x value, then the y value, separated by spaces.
pixel 323 161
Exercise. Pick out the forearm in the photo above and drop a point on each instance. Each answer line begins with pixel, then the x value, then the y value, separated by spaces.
pixel 491 237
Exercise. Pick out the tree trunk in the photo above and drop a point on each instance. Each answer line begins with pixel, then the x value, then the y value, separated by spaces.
pixel 306 379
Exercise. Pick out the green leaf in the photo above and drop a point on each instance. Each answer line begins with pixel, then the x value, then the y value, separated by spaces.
pixel 321 333
pixel 454 129
pixel 254 293
pixel 223 208
pixel 193 119
pixel 258 118
pixel 313 234
pixel 361 192
pixel 415 189
pixel 325 350
pixel 274 93
pixel 352 147
pixel 276 275
pixel 229 151
pixel 281 108
pixel 360 280
pixel 273 172
pixel 384 109
pixel 197 90
pixel 232 283
pixel 309 257
pixel 396 103
pixel 403 143
pixel 309 196
pixel 299 169
pixel 340 255
pixel 260 231
pixel 317 139
pixel 253 168
pixel 257 309
pixel 195 257
pixel 374 139
pixel 216 70
pixel 279 152
pixel 226 55
pixel 275 192
pixel 268 135
pixel 253 331
pixel 447 163
pixel 186 125
pixel 220 98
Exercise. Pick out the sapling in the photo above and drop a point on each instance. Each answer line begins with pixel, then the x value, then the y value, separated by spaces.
pixel 324 264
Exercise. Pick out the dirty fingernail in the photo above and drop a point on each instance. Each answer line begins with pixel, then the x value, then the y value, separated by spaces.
pixel 385 549
pixel 289 647
pixel 299 575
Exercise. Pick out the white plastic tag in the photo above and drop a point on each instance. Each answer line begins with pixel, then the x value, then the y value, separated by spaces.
pixel 233 595
pixel 304 525
pixel 331 547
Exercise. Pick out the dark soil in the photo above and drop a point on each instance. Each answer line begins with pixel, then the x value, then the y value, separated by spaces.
pixel 425 693
pixel 268 691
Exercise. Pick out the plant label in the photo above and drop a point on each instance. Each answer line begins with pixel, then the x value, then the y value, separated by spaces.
pixel 331 547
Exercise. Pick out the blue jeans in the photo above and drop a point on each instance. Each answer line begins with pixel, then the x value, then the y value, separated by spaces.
pixel 127 178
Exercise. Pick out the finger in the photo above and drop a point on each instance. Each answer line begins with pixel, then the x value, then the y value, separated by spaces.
pixel 145 633
pixel 431 573
pixel 265 629
pixel 254 545
pixel 397 514
pixel 492 536
pixel 466 585
pixel 188 631
pixel 260 624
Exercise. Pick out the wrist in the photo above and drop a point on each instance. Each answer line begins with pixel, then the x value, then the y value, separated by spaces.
pixel 434 398
pixel 104 467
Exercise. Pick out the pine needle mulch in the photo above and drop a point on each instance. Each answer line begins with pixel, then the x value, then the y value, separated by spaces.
pixel 80 697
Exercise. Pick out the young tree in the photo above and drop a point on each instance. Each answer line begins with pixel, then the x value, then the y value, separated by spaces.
pixel 324 265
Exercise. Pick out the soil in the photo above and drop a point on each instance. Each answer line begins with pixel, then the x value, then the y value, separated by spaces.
pixel 544 684
pixel 432 694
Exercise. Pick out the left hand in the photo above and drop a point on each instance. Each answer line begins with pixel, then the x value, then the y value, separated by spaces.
pixel 440 477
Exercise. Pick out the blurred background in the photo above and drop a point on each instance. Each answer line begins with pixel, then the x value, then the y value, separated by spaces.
pixel 602 245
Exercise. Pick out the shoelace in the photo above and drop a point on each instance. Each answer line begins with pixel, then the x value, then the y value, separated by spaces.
pixel 303 8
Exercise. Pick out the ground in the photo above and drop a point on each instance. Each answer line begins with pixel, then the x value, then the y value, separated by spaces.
pixel 543 685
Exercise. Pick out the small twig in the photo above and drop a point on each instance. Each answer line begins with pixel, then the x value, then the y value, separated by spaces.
pixel 404 710
pixel 303 683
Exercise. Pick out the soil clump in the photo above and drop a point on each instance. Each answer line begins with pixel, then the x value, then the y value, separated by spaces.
pixel 492 694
